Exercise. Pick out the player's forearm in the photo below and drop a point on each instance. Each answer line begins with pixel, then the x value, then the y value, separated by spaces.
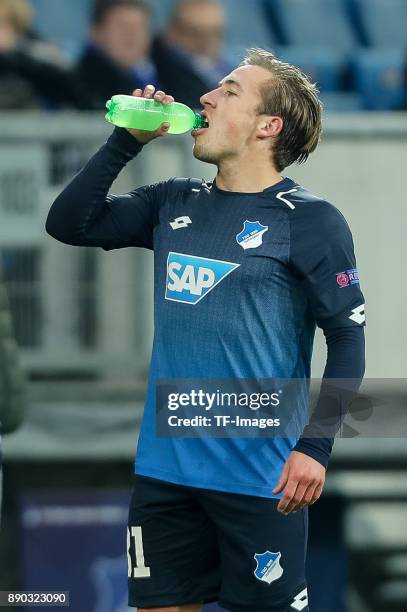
pixel 83 201
pixel 346 364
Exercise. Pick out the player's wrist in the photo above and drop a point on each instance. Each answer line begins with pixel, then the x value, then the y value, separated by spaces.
pixel 311 448
pixel 120 140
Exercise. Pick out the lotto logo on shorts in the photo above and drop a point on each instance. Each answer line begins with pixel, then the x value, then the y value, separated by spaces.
pixel 190 279
pixel 300 601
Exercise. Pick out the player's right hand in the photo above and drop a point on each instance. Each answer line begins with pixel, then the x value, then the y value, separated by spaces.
pixel 144 136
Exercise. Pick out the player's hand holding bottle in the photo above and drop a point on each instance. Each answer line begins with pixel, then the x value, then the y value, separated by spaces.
pixel 144 136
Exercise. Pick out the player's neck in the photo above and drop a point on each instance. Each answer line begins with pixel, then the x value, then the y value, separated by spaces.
pixel 250 176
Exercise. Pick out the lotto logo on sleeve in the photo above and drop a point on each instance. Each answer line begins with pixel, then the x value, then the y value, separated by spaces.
pixel 350 277
pixel 190 279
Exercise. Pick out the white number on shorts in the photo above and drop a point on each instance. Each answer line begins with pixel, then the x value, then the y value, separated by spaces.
pixel 300 601
pixel 140 570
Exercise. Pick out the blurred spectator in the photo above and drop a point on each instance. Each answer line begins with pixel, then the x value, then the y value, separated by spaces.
pixel 33 74
pixel 12 382
pixel 188 54
pixel 115 61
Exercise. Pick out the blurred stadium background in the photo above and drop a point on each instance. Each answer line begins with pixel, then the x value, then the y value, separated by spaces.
pixel 83 318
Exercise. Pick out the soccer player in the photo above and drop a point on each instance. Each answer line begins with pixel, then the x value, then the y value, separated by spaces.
pixel 246 266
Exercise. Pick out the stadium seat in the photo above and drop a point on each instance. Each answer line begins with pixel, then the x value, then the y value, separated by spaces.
pixel 247 24
pixel 379 77
pixel 63 23
pixel 321 23
pixel 235 53
pixel 383 22
pixel 324 66
pixel 161 12
pixel 342 102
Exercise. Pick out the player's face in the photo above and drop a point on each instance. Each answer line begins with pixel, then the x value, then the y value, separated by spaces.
pixel 124 35
pixel 231 113
pixel 199 29
pixel 8 31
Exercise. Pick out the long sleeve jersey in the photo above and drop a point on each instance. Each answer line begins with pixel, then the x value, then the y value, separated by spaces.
pixel 241 280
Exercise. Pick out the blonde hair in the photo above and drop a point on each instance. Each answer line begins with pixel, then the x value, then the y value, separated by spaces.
pixel 291 95
pixel 20 12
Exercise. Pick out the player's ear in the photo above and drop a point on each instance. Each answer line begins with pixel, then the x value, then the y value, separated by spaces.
pixel 269 127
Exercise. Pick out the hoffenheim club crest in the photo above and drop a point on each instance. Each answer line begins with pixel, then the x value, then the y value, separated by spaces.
pixel 268 566
pixel 251 235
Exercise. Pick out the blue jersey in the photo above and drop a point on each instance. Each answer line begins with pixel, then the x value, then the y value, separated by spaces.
pixel 240 282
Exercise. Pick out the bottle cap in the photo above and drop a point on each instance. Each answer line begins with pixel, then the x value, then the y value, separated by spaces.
pixel 200 121
pixel 110 105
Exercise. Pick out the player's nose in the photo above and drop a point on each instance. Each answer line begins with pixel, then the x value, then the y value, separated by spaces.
pixel 208 98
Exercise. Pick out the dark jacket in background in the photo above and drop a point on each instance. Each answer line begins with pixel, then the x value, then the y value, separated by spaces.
pixel 12 379
pixel 29 80
pixel 100 78
pixel 176 76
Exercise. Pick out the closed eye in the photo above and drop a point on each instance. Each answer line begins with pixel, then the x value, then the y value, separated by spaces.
pixel 230 93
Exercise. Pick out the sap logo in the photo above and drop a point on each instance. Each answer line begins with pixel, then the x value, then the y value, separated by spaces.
pixel 190 278
pixel 268 566
pixel 251 235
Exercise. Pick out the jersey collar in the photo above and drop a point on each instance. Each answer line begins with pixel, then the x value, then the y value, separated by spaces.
pixel 285 183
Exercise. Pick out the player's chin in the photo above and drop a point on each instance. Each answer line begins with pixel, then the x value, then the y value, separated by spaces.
pixel 203 153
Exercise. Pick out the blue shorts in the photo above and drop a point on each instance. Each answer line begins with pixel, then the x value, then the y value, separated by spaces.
pixel 188 545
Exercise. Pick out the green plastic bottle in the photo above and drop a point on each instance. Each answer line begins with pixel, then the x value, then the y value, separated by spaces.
pixel 148 114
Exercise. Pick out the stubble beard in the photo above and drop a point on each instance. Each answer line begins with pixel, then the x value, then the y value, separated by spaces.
pixel 205 154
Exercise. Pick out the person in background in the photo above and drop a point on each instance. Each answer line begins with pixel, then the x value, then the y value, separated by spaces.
pixel 33 74
pixel 12 380
pixel 188 53
pixel 115 60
